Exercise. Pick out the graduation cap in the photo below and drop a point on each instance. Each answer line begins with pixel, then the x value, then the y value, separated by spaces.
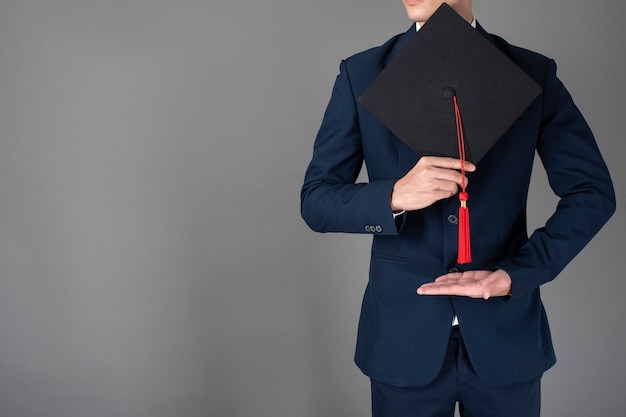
pixel 450 92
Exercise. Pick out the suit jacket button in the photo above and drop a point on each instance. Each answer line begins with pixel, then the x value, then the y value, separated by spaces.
pixel 453 269
pixel 452 219
pixel 379 228
pixel 368 228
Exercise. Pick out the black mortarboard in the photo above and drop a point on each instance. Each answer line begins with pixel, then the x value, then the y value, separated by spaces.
pixel 450 92
pixel 412 96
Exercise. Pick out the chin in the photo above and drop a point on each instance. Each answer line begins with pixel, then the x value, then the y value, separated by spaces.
pixel 417 12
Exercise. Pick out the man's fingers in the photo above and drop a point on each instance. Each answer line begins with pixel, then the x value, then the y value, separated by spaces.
pixel 449 163
pixel 469 283
pixel 432 179
pixel 443 174
pixel 433 289
pixel 450 276
pixel 457 277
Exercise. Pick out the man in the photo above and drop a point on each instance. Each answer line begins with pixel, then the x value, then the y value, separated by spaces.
pixel 478 334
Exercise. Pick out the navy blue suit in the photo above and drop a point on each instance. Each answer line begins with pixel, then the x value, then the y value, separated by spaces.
pixel 403 336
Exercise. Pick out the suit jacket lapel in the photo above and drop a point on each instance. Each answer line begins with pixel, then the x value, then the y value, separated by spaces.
pixel 483 32
pixel 400 43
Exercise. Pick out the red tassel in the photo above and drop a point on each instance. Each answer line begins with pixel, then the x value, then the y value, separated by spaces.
pixel 465 249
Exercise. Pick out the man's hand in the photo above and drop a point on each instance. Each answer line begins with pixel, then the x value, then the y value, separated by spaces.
pixel 433 178
pixel 474 284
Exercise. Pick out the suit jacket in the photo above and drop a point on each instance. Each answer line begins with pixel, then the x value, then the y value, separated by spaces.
pixel 402 337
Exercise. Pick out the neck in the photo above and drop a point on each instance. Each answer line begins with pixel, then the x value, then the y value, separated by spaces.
pixel 464 9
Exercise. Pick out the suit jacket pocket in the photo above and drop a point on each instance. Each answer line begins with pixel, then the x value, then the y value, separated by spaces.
pixel 389 258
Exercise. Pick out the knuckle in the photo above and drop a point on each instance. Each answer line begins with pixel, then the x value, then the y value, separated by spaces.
pixel 425 160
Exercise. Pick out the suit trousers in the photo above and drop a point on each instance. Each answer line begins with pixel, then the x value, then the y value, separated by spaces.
pixel 457 382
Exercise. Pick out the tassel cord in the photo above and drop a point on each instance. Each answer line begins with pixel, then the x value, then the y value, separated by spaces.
pixel 464 253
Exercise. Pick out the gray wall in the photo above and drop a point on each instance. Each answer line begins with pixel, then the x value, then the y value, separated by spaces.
pixel 152 258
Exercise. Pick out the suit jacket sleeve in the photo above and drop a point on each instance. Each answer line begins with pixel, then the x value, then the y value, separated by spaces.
pixel 579 176
pixel 331 201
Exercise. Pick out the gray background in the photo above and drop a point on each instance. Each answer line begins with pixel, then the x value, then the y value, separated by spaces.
pixel 152 257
